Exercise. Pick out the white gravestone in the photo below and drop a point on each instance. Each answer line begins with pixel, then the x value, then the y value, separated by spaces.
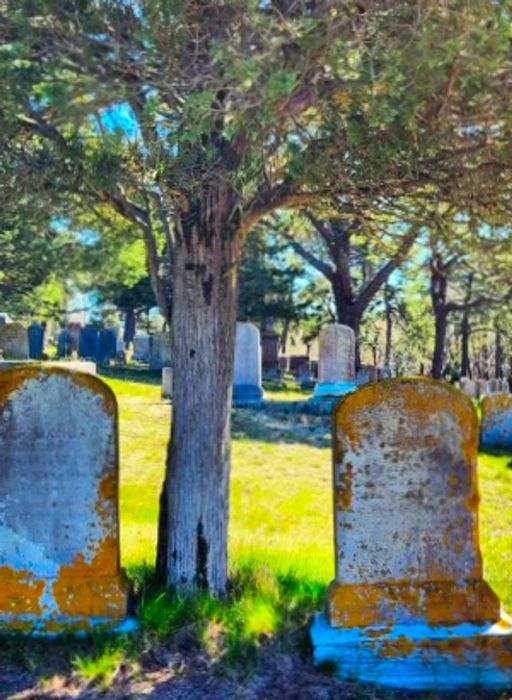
pixel 247 386
pixel 337 362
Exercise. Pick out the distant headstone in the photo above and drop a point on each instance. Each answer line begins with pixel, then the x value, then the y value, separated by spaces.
pixel 107 345
pixel 505 387
pixel 14 341
pixel 409 607
pixel 75 329
pixel 167 383
pixel 468 386
pixel 88 344
pixel 494 386
pixel 270 353
pixel 85 366
pixel 284 364
pixel 297 362
pixel 247 387
pixel 160 350
pixel 65 343
pixel 35 341
pixel 384 372
pixel 59 519
pixel 337 362
pixel 496 425
pixel 3 319
pixel 141 348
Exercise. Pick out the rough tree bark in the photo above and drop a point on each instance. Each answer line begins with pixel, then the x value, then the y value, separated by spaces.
pixel 192 547
pixel 438 293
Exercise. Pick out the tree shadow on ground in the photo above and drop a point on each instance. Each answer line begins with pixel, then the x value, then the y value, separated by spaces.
pixel 276 427
pixel 138 375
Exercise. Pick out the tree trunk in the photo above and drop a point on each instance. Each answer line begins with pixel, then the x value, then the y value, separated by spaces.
pixel 465 368
pixel 441 327
pixel 389 329
pixel 498 356
pixel 130 326
pixel 192 547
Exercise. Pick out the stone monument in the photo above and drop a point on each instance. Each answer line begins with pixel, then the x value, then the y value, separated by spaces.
pixel 409 607
pixel 337 363
pixel 167 383
pixel 247 387
pixel 160 350
pixel 65 343
pixel 14 341
pixel 35 334
pixel 59 517
pixel 270 352
pixel 496 425
pixel 141 347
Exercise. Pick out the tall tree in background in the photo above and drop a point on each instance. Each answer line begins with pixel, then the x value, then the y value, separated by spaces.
pixel 356 256
pixel 240 109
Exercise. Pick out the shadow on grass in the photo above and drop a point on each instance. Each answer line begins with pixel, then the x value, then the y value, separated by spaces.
pixel 139 375
pixel 275 428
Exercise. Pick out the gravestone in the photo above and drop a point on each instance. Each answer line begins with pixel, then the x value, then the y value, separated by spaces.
pixel 59 519
pixel 35 334
pixel 14 341
pixel 270 353
pixel 167 383
pixel 75 329
pixel 384 372
pixel 469 387
pixel 160 350
pixel 65 343
pixel 247 387
pixel 107 345
pixel 409 607
pixel 337 363
pixel 505 388
pixel 496 424
pixel 85 366
pixel 88 343
pixel 494 386
pixel 141 348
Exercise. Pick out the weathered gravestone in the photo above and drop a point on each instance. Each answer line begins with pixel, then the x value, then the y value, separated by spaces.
pixel 469 387
pixel 88 343
pixel 247 387
pixel 160 350
pixel 59 520
pixel 167 383
pixel 494 386
pixel 65 343
pixel 270 353
pixel 337 362
pixel 35 334
pixel 408 607
pixel 496 425
pixel 141 348
pixel 14 341
pixel 107 345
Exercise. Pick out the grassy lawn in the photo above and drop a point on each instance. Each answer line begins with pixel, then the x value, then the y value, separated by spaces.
pixel 281 496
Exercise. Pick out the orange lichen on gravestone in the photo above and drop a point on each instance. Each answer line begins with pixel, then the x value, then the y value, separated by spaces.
pixel 406 508
pixel 59 542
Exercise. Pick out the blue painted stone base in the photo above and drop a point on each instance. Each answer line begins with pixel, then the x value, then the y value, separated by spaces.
pixel 247 395
pixel 34 626
pixel 327 396
pixel 418 656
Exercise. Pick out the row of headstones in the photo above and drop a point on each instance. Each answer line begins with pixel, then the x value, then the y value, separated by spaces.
pixel 477 388
pixel 336 366
pixel 408 605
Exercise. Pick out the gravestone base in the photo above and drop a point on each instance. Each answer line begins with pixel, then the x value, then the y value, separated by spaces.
pixel 78 605
pixel 247 395
pixel 418 656
pixel 326 396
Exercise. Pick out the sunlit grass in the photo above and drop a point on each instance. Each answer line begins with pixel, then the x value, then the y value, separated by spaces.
pixel 280 496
